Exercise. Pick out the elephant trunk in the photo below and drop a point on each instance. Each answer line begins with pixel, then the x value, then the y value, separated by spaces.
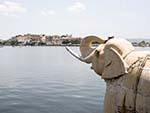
pixel 86 48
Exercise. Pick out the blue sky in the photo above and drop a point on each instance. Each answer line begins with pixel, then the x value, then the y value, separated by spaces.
pixel 121 18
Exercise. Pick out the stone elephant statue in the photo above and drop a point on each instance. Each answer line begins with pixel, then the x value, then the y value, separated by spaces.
pixel 125 71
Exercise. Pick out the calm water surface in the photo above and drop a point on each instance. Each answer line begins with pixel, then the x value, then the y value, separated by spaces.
pixel 47 80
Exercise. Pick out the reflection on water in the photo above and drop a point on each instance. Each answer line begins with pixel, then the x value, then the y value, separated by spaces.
pixel 47 80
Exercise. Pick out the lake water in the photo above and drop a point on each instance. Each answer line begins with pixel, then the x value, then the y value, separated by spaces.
pixel 48 80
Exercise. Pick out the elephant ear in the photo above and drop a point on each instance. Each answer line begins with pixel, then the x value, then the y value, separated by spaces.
pixel 114 64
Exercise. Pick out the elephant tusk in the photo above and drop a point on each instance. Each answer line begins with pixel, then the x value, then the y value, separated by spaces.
pixel 82 59
pixel 74 54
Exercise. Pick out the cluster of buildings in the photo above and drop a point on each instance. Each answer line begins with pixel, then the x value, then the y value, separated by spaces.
pixel 34 39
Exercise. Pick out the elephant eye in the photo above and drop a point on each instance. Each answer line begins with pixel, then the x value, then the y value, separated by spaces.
pixel 97 53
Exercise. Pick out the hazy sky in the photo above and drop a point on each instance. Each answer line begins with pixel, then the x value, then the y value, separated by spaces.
pixel 121 18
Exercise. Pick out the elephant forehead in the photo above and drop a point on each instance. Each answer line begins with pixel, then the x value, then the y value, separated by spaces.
pixel 121 45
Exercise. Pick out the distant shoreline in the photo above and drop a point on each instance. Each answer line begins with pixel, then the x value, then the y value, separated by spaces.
pixel 39 45
pixel 77 45
pixel 135 44
pixel 56 40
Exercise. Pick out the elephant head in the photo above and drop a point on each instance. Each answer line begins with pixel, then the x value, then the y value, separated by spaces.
pixel 107 58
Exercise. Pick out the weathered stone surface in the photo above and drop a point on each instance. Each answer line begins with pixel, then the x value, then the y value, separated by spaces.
pixel 126 72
